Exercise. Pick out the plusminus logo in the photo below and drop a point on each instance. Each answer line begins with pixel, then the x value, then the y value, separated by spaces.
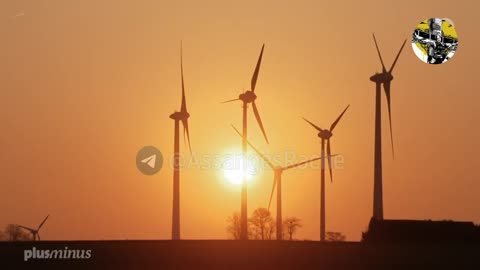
pixel 65 253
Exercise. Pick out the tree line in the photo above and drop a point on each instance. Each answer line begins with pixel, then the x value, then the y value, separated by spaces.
pixel 262 226
pixel 14 233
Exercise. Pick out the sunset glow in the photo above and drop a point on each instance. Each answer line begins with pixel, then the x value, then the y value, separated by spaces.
pixel 87 84
pixel 234 171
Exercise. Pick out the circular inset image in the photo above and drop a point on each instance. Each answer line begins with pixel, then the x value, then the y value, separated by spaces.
pixel 435 40
pixel 149 160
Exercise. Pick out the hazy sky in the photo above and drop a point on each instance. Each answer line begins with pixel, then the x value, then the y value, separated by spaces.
pixel 86 84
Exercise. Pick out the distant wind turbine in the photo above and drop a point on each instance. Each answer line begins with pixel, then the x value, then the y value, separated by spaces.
pixel 182 116
pixel 385 78
pixel 247 97
pixel 325 135
pixel 277 182
pixel 35 232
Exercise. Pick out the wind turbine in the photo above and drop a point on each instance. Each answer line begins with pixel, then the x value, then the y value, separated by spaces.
pixel 35 232
pixel 182 116
pixel 385 78
pixel 277 181
pixel 247 97
pixel 325 135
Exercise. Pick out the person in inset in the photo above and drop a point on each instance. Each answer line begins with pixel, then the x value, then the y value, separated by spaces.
pixel 436 47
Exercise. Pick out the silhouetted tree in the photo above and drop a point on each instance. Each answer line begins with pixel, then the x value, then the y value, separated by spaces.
pixel 291 225
pixel 15 233
pixel 233 227
pixel 2 236
pixel 335 237
pixel 270 229
pixel 252 231
pixel 261 221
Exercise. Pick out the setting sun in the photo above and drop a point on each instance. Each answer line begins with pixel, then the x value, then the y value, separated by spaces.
pixel 234 171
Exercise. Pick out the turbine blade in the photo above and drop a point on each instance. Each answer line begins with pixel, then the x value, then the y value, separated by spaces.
pixel 301 163
pixel 313 125
pixel 257 69
pixel 26 228
pixel 187 132
pixel 259 120
pixel 41 224
pixel 184 135
pixel 386 87
pixel 396 58
pixel 334 124
pixel 273 190
pixel 256 150
pixel 379 54
pixel 329 153
pixel 184 103
pixel 231 100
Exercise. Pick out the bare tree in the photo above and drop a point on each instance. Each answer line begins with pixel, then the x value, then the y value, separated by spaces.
pixel 253 231
pixel 335 237
pixel 15 233
pixel 291 224
pixel 260 226
pixel 260 221
pixel 270 229
pixel 233 227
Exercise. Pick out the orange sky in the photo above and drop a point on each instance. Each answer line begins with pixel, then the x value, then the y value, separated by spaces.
pixel 85 85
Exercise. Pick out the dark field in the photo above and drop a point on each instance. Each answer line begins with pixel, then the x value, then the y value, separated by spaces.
pixel 212 254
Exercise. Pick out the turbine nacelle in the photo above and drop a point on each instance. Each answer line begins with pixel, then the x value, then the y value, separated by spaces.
pixel 381 77
pixel 248 96
pixel 325 134
pixel 179 115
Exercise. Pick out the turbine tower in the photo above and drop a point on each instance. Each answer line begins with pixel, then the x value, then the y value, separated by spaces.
pixel 182 116
pixel 277 181
pixel 325 135
pixel 248 97
pixel 385 78
pixel 35 232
